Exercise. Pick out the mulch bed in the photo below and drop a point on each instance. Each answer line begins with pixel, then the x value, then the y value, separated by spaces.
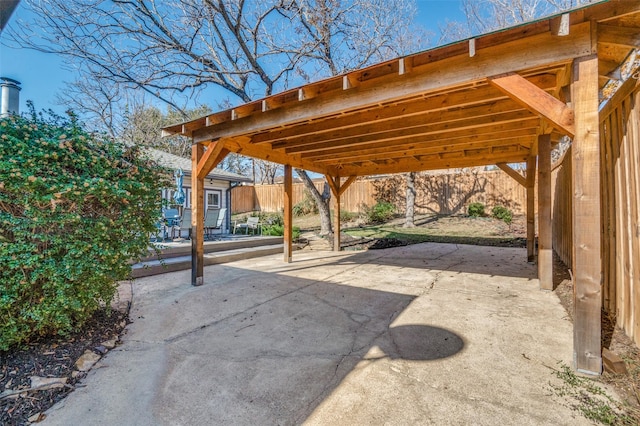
pixel 52 357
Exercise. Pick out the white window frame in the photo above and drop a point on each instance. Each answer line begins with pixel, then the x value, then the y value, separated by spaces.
pixel 211 192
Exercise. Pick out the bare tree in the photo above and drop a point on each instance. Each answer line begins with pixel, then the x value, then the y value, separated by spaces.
pixel 173 50
pixel 483 16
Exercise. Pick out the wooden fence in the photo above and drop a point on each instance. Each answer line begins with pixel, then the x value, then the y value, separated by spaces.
pixel 562 200
pixel 620 199
pixel 442 193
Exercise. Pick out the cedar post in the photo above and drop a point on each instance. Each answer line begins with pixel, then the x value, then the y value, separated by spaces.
pixel 288 208
pixel 336 216
pixel 197 217
pixel 531 206
pixel 587 266
pixel 545 253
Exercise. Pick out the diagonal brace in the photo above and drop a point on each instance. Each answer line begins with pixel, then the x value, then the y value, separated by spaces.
pixel 536 100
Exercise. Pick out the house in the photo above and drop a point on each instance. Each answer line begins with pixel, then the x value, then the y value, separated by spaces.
pixel 217 184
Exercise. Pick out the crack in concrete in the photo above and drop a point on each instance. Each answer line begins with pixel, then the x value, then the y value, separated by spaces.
pixel 218 321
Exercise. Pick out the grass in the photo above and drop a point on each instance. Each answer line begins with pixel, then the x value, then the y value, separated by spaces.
pixel 585 396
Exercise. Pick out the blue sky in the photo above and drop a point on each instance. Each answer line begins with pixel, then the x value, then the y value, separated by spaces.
pixel 42 74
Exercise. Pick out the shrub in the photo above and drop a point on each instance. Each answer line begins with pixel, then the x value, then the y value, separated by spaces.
pixel 380 212
pixel 502 213
pixel 74 209
pixel 306 206
pixel 347 216
pixel 476 209
pixel 278 231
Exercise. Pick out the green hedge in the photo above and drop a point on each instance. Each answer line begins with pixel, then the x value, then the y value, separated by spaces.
pixel 74 209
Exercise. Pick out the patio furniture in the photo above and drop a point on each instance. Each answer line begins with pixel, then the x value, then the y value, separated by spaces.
pixel 171 219
pixel 213 219
pixel 185 223
pixel 253 223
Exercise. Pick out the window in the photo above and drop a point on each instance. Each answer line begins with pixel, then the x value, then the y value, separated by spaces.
pixel 214 199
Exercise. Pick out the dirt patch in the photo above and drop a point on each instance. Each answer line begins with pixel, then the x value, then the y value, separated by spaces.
pixel 51 358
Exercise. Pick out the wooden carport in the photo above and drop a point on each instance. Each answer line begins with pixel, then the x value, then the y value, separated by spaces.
pixel 500 98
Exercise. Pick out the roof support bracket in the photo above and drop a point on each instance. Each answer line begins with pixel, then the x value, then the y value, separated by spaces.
pixel 214 154
pixel 514 174
pixel 536 100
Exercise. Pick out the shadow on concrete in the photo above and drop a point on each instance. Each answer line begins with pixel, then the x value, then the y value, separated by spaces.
pixel 492 261
pixel 268 348
pixel 424 343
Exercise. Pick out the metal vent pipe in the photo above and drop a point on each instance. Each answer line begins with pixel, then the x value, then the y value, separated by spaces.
pixel 9 96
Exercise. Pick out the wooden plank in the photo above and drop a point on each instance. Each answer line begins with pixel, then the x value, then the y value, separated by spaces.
pixel 513 174
pixel 336 215
pixel 620 184
pixel 531 208
pixel 613 363
pixel 536 100
pixel 528 52
pixel 437 139
pixel 408 165
pixel 462 125
pixel 264 153
pixel 444 147
pixel 607 203
pixel 288 216
pixel 457 98
pixel 631 138
pixel 197 218
pixel 587 265
pixel 621 36
pixel 545 224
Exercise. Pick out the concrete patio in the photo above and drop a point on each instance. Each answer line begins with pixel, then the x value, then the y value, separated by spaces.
pixel 425 334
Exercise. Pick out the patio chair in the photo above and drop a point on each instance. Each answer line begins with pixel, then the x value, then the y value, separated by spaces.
pixel 185 223
pixel 171 218
pixel 213 219
pixel 253 223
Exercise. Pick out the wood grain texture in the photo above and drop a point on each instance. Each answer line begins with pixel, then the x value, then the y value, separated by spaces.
pixel 587 264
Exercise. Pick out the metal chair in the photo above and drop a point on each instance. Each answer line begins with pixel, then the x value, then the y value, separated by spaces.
pixel 185 223
pixel 253 223
pixel 213 219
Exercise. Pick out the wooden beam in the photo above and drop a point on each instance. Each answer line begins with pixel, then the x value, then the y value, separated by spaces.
pixel 336 216
pixel 197 218
pixel 526 52
pixel 536 100
pixel 434 162
pixel 334 184
pixel 628 37
pixel 288 216
pixel 335 188
pixel 587 267
pixel 346 184
pixel 452 123
pixel 545 225
pixel 514 174
pixel 244 147
pixel 531 208
pixel 444 140
pixel 214 154
pixel 482 95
